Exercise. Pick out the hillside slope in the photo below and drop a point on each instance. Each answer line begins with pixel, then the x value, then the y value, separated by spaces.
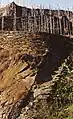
pixel 27 74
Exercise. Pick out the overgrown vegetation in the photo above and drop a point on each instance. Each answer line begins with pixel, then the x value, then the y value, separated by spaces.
pixel 62 92
pixel 59 105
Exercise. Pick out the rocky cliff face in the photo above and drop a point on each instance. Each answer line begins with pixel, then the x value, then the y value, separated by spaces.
pixel 8 11
pixel 14 17
pixel 27 80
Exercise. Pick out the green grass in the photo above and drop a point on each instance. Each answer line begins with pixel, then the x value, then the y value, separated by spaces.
pixel 70 117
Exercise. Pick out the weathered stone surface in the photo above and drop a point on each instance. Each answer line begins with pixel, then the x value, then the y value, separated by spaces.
pixel 26 64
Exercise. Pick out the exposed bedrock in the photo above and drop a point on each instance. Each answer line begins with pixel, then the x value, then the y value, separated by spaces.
pixel 27 62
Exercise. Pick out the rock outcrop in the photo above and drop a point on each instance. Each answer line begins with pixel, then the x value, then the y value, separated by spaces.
pixel 27 63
